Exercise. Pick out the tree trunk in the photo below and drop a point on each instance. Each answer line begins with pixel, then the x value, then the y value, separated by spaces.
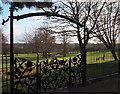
pixel 83 61
pixel 113 54
pixel 45 55
pixel 83 55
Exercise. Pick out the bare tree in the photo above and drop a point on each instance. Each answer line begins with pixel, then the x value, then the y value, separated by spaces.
pixel 64 38
pixel 0 41
pixel 0 33
pixel 108 27
pixel 83 12
pixel 3 43
pixel 46 41
pixel 41 41
pixel 27 39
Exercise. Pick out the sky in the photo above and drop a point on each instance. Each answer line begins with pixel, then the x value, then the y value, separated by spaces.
pixel 22 26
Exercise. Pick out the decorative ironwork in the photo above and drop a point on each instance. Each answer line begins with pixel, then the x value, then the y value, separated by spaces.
pixel 46 76
pixel 22 72
pixel 5 73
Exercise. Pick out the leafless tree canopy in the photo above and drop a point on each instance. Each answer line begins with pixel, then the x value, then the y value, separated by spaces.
pixel 108 26
pixel 41 41
pixel 3 40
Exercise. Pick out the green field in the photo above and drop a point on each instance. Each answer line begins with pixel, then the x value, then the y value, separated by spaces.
pixel 101 69
pixel 94 68
pixel 91 57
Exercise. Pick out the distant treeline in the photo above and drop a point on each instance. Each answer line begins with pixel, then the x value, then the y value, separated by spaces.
pixel 96 47
pixel 99 47
pixel 24 48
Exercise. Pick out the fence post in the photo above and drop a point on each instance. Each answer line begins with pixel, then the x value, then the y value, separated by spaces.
pixel 2 73
pixel 40 75
pixel 6 71
pixel 11 52
pixel 37 71
pixel 69 66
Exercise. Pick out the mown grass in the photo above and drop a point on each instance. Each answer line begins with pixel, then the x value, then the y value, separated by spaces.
pixel 97 54
pixel 100 69
pixel 91 57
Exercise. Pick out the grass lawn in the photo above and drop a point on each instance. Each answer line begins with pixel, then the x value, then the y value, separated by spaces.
pixel 100 69
pixel 91 57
